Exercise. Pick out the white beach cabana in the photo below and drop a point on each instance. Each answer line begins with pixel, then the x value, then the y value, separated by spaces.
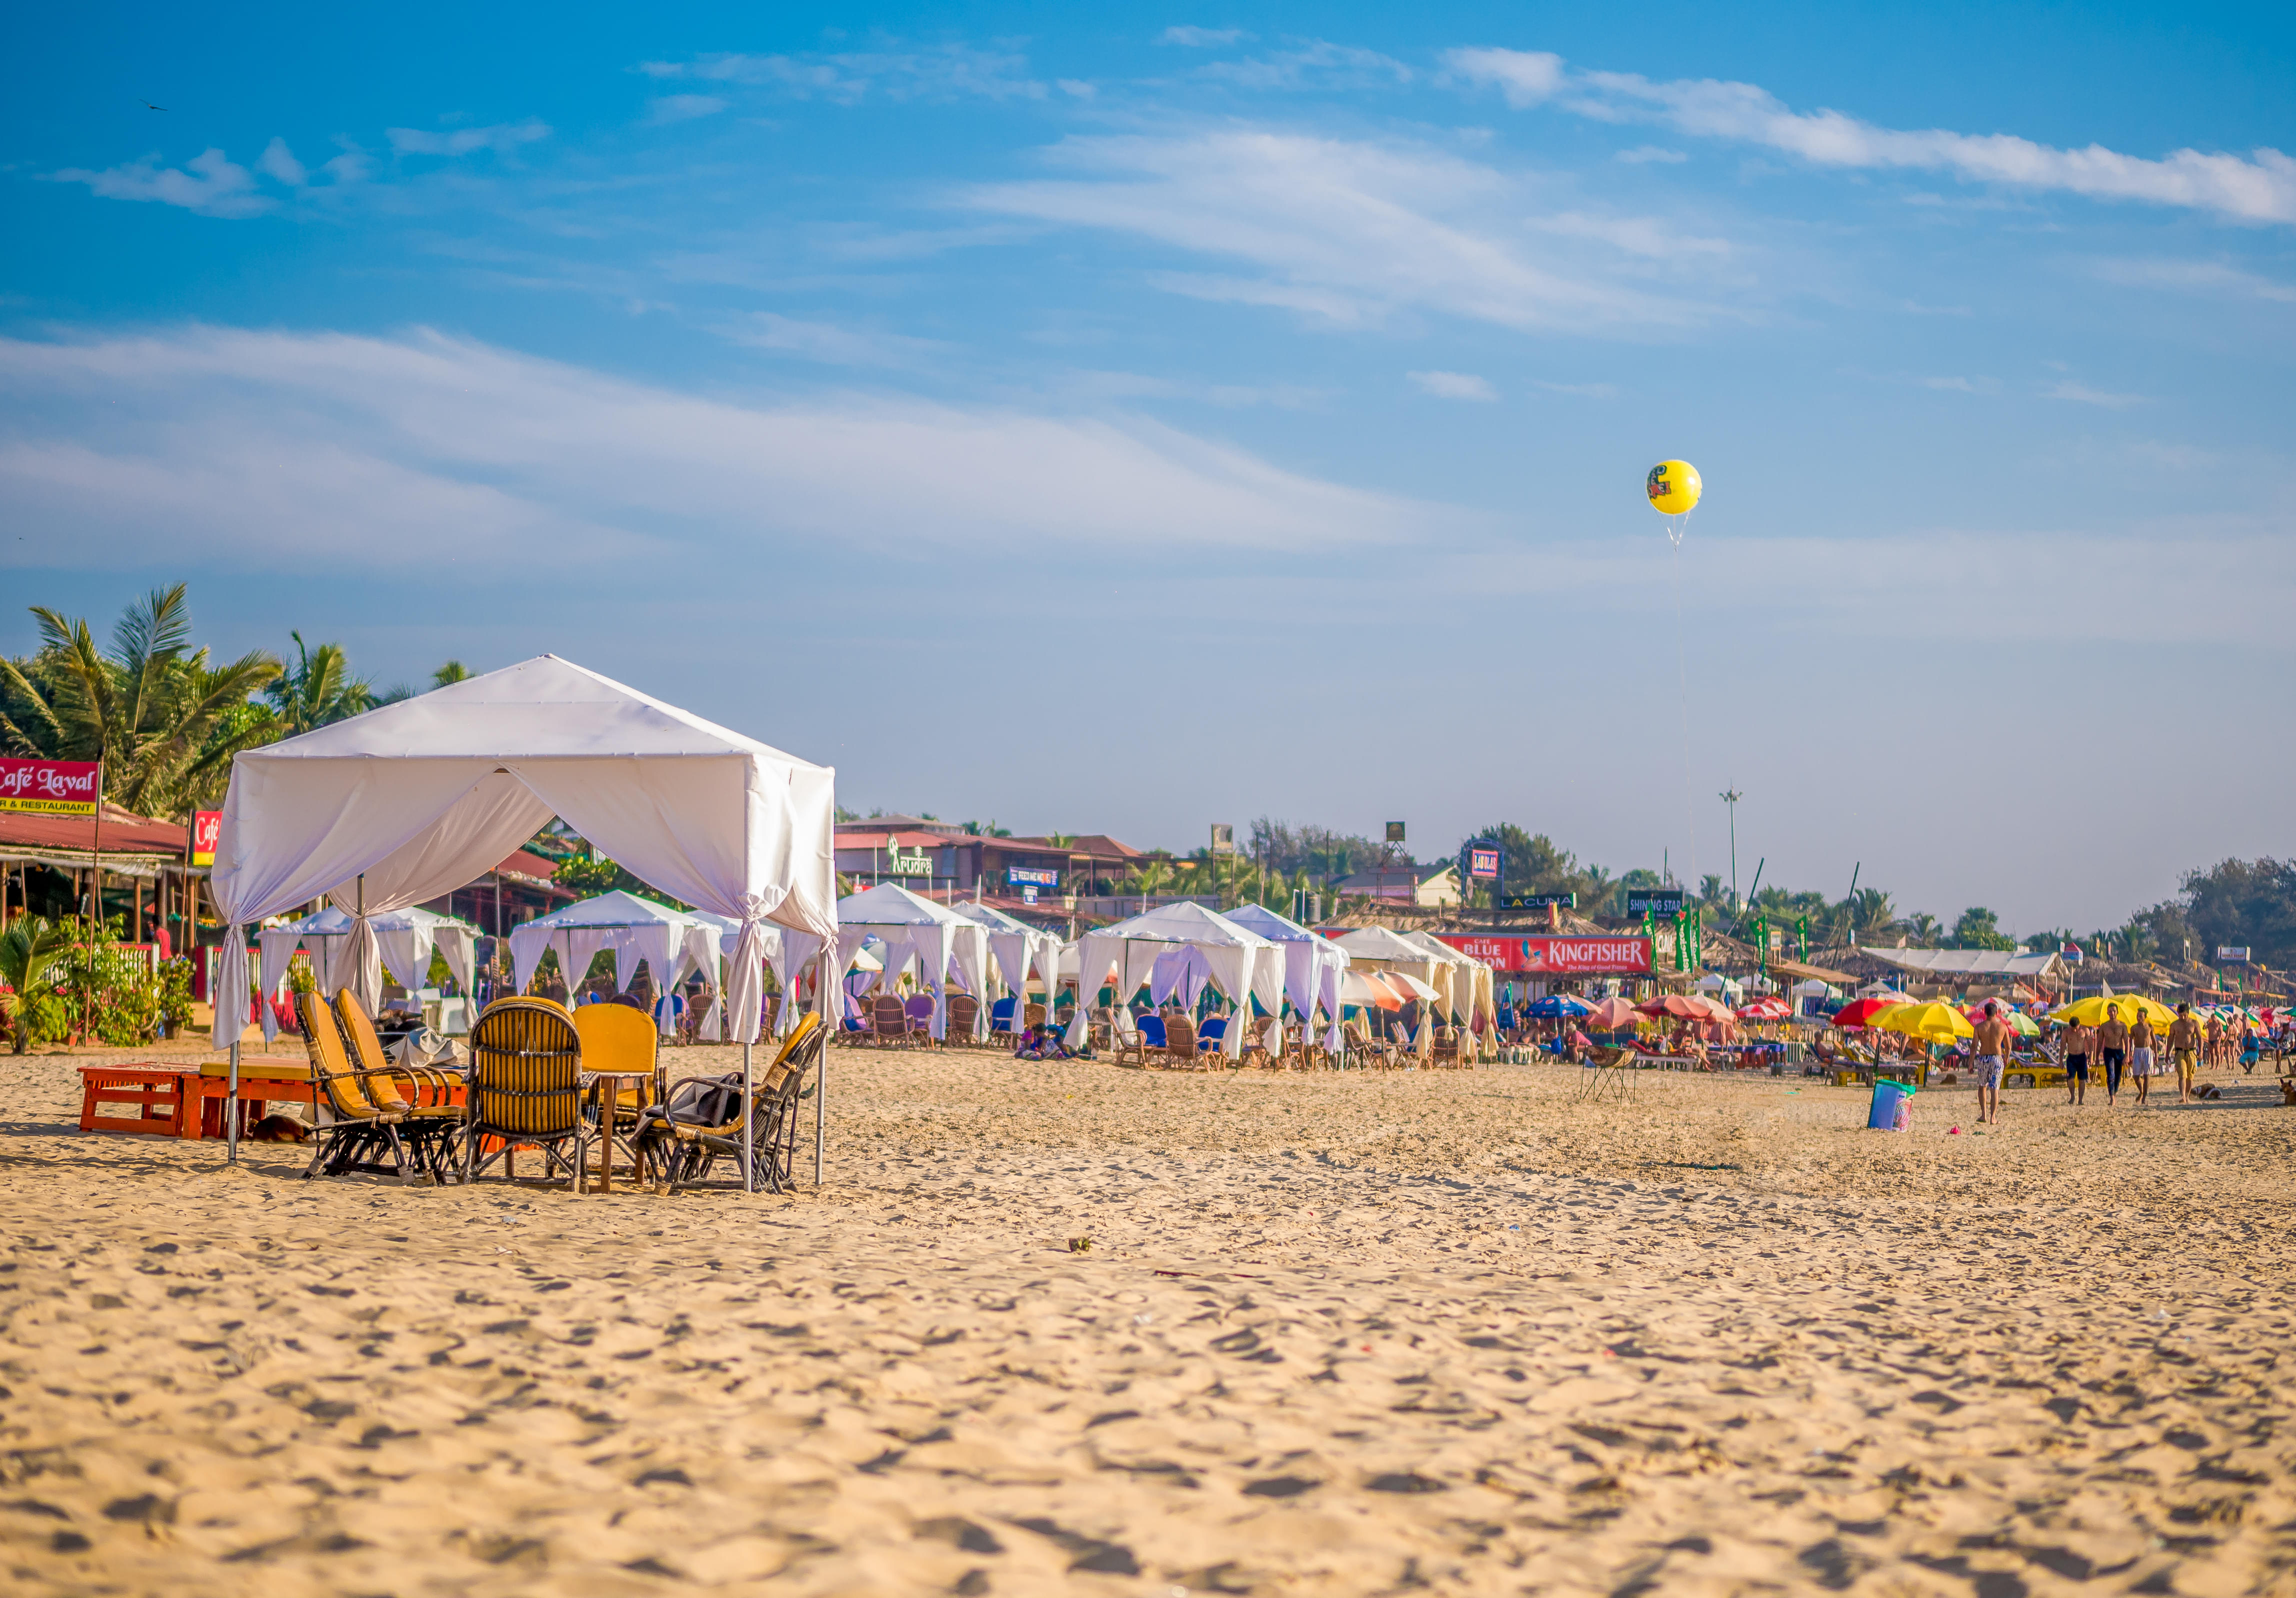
pixel 915 930
pixel 1470 994
pixel 1239 963
pixel 630 927
pixel 1312 966
pixel 405 939
pixel 1018 949
pixel 409 802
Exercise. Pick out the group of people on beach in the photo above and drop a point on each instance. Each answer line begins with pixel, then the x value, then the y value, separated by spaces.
pixel 2133 1051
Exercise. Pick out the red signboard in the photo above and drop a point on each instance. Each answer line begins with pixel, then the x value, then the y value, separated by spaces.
pixel 206 824
pixel 1600 956
pixel 56 787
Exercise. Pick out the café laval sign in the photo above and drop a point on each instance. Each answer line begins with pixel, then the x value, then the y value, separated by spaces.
pixel 54 788
pixel 1556 955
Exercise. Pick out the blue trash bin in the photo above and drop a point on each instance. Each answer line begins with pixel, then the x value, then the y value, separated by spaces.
pixel 1893 1106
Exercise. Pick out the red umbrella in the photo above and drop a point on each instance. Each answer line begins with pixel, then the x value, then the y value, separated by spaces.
pixel 1860 1012
pixel 1680 1006
pixel 1765 1009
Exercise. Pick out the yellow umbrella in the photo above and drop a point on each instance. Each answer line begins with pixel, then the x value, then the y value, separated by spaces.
pixel 1932 1022
pixel 2090 1012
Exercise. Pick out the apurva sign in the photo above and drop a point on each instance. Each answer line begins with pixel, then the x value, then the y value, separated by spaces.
pixel 919 864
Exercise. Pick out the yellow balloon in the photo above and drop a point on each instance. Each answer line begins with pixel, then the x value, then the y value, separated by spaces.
pixel 1674 487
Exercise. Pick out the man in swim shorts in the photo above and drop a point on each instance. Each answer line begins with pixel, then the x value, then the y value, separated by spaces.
pixel 2140 1055
pixel 1992 1046
pixel 2185 1043
pixel 2080 1039
pixel 2112 1043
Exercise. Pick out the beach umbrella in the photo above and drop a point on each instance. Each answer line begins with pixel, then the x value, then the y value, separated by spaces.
pixel 1405 982
pixel 1680 1006
pixel 1860 1012
pixel 2017 1021
pixel 1612 1014
pixel 1932 1023
pixel 1363 990
pixel 1556 1007
pixel 2091 1011
pixel 1765 1010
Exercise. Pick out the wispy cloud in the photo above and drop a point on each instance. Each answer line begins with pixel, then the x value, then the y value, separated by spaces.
pixel 2259 187
pixel 666 108
pixel 1200 38
pixel 210 182
pixel 1317 64
pixel 2082 394
pixel 351 449
pixel 1962 385
pixel 946 72
pixel 501 138
pixel 1346 231
pixel 2194 276
pixel 1642 154
pixel 1454 385
pixel 831 343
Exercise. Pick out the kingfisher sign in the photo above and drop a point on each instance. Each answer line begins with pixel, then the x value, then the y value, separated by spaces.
pixel 54 788
pixel 1556 955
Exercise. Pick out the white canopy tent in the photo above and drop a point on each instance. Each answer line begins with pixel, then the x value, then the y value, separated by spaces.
pixel 1469 993
pixel 406 940
pixel 1241 964
pixel 914 929
pixel 409 802
pixel 1312 966
pixel 1018 949
pixel 631 928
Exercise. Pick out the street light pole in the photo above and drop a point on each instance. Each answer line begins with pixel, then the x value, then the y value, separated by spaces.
pixel 1730 796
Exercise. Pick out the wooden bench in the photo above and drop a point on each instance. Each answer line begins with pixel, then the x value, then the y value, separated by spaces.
pixel 166 1101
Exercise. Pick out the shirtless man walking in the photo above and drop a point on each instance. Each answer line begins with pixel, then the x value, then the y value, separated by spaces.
pixel 2185 1043
pixel 2080 1039
pixel 1992 1046
pixel 2112 1043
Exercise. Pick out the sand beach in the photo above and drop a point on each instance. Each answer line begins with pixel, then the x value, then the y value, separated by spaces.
pixel 1361 1333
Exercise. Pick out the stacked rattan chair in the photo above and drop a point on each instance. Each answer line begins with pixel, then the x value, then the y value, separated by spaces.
pixel 701 1124
pixel 366 1125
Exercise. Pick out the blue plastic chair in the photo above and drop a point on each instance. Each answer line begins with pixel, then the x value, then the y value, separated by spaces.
pixel 1211 1035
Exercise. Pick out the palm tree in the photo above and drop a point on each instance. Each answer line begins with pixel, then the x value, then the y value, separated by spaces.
pixel 318 690
pixel 453 671
pixel 158 716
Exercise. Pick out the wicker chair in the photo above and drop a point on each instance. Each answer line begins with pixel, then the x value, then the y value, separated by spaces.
pixel 366 1118
pixel 618 1039
pixel 701 1122
pixel 526 1088
pixel 1180 1041
pixel 888 1021
pixel 435 1087
pixel 964 1013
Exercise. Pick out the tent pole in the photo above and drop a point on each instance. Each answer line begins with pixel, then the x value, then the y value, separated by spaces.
pixel 749 1126
pixel 821 1077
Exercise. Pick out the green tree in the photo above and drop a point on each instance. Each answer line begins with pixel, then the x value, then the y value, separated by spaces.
pixel 453 671
pixel 163 721
pixel 1978 929
pixel 2242 901
pixel 317 690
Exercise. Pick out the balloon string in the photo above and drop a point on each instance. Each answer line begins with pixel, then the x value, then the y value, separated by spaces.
pixel 1681 681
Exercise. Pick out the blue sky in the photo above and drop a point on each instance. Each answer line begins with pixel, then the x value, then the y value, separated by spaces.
pixel 1140 418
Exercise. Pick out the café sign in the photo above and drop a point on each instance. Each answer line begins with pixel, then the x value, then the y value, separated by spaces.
pixel 53 787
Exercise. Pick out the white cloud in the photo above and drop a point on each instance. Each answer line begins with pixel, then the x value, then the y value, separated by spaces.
pixel 210 182
pixel 1657 237
pixel 2198 277
pixel 682 108
pixel 1644 153
pixel 1076 88
pixel 1202 39
pixel 335 450
pixel 502 137
pixel 829 343
pixel 1318 64
pixel 1962 385
pixel 2259 188
pixel 949 71
pixel 1349 231
pixel 279 161
pixel 2081 394
pixel 1454 385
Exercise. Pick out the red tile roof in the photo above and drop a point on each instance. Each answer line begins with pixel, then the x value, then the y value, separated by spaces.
pixel 124 833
